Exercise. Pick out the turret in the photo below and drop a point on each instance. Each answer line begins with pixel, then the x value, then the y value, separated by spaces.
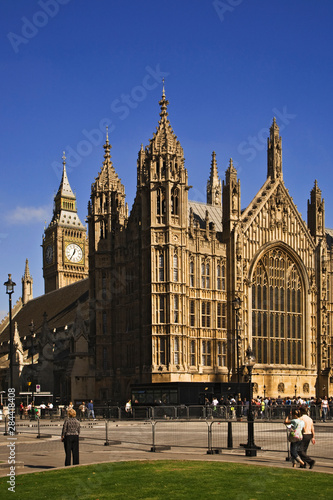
pixel 214 188
pixel 27 282
pixel 231 199
pixel 316 212
pixel 274 152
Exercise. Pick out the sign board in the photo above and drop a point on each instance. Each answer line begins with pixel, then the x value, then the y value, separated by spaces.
pixel 37 388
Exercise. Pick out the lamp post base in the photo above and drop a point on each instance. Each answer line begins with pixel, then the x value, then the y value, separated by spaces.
pixel 251 452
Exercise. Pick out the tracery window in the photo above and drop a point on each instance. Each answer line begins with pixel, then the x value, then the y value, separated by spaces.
pixel 192 273
pixel 161 309
pixel 277 310
pixel 205 275
pixel 221 314
pixel 205 314
pixel 192 313
pixel 176 351
pixel 161 267
pixel 206 353
pixel 162 356
pixel 220 277
pixel 174 201
pixel 160 209
pixel 221 353
pixel 192 353
pixel 176 309
pixel 175 267
pixel 104 323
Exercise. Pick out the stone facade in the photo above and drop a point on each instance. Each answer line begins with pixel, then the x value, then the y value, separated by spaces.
pixel 177 290
pixel 164 279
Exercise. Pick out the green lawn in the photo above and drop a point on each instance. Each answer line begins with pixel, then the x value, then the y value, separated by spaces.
pixel 174 480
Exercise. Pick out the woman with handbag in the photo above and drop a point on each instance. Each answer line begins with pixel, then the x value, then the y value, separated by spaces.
pixel 295 436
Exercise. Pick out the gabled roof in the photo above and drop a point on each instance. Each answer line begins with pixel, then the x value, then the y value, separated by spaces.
pixel 199 214
pixel 59 305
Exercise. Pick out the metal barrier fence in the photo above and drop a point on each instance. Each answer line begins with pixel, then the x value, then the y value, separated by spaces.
pixel 276 412
pixel 212 435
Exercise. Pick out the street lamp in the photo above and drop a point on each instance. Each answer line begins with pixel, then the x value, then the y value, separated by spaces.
pixel 250 447
pixel 236 304
pixel 32 328
pixel 264 392
pixel 295 392
pixel 9 290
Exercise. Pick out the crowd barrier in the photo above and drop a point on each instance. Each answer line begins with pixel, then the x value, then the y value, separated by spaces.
pixel 211 434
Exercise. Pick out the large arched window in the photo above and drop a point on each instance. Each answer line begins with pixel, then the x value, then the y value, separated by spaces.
pixel 277 310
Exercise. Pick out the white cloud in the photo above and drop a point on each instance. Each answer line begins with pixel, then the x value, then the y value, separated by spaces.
pixel 28 215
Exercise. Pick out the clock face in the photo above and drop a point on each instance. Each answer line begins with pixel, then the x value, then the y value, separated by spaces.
pixel 49 254
pixel 74 252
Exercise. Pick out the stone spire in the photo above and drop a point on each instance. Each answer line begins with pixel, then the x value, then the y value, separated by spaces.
pixel 65 210
pixel 64 188
pixel 214 186
pixel 164 104
pixel 274 152
pixel 27 282
pixel 316 212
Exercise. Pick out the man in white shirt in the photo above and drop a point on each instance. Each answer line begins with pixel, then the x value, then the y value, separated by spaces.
pixel 308 435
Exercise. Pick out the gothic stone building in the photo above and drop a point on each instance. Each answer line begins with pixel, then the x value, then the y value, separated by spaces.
pixel 165 280
pixel 177 290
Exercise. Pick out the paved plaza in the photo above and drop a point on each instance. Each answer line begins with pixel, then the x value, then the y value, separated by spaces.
pixel 128 441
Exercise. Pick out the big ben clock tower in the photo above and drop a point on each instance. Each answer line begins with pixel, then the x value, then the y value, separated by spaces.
pixel 65 245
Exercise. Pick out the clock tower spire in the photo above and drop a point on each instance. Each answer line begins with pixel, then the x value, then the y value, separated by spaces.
pixel 65 245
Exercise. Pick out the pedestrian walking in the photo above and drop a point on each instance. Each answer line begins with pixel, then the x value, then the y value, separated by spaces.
pixel 308 435
pixel 90 408
pixel 295 425
pixel 70 437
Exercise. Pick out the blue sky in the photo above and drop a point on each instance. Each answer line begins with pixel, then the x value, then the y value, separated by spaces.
pixel 69 67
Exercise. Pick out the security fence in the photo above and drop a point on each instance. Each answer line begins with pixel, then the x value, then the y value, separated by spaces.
pixel 227 412
pixel 205 434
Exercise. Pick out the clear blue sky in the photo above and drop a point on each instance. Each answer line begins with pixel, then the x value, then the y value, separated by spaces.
pixel 68 67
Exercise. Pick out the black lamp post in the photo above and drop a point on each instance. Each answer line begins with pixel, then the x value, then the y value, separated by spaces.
pixel 32 328
pixel 236 304
pixel 264 392
pixel 10 290
pixel 295 392
pixel 250 447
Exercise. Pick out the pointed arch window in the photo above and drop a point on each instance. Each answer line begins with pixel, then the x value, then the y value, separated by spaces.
pixel 205 274
pixel 161 267
pixel 160 309
pixel 176 309
pixel 221 353
pixel 277 310
pixel 103 285
pixel 206 353
pixel 191 273
pixel 162 354
pixel 192 353
pixel 104 323
pixel 220 277
pixel 175 267
pixel 174 201
pixel 192 313
pixel 160 208
pixel 176 350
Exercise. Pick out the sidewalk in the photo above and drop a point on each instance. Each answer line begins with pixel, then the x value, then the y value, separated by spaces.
pixel 35 455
